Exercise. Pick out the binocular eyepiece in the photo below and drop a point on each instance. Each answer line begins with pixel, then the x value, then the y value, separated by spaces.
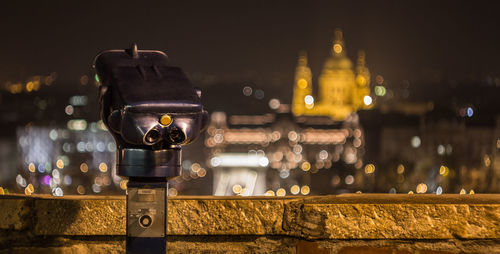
pixel 173 135
pixel 150 108
pixel 178 131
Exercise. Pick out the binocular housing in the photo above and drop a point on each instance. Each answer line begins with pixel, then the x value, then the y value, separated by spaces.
pixel 150 108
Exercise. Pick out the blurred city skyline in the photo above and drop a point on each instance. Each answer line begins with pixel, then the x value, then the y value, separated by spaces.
pixel 420 114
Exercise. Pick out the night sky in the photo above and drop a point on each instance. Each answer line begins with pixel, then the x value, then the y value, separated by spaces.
pixel 258 40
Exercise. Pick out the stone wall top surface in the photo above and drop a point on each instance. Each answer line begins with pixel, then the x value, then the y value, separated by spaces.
pixel 342 198
pixel 348 216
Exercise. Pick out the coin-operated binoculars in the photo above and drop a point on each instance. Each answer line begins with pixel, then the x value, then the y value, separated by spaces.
pixel 151 109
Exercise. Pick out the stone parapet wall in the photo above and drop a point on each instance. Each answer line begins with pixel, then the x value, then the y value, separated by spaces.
pixel 350 223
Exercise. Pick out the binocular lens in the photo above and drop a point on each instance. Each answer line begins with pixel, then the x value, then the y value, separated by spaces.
pixel 177 136
pixel 152 136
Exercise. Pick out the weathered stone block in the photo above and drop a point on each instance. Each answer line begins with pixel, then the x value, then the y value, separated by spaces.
pixel 231 244
pixel 220 216
pixel 80 217
pixel 419 218
pixel 367 223
pixel 78 248
pixel 386 221
pixel 14 213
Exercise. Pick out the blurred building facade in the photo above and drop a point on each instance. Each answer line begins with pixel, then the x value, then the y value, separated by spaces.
pixel 443 157
pixel 278 153
pixel 343 89
pixel 62 147
pixel 418 136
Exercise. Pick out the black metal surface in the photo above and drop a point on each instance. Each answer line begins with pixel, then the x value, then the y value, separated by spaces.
pixel 149 163
pixel 146 245
pixel 138 89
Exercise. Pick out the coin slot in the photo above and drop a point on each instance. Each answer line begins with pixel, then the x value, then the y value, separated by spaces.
pixel 145 221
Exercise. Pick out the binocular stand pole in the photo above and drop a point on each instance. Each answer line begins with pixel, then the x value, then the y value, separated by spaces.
pixel 146 215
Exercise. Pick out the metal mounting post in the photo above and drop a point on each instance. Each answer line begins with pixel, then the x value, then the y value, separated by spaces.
pixel 146 217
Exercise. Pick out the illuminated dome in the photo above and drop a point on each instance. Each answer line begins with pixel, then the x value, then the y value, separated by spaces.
pixel 338 59
pixel 337 62
pixel 342 89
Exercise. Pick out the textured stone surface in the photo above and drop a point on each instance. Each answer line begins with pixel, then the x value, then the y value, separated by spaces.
pixel 76 248
pixel 358 216
pixel 265 244
pixel 185 216
pixel 225 216
pixel 80 217
pixel 407 246
pixel 14 213
pixel 196 244
pixel 414 218
pixel 232 244
pixel 357 223
pixel 399 221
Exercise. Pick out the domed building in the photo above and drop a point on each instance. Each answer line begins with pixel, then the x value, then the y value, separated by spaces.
pixel 343 89
pixel 313 140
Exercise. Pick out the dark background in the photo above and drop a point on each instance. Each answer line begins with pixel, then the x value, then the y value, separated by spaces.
pixel 259 39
